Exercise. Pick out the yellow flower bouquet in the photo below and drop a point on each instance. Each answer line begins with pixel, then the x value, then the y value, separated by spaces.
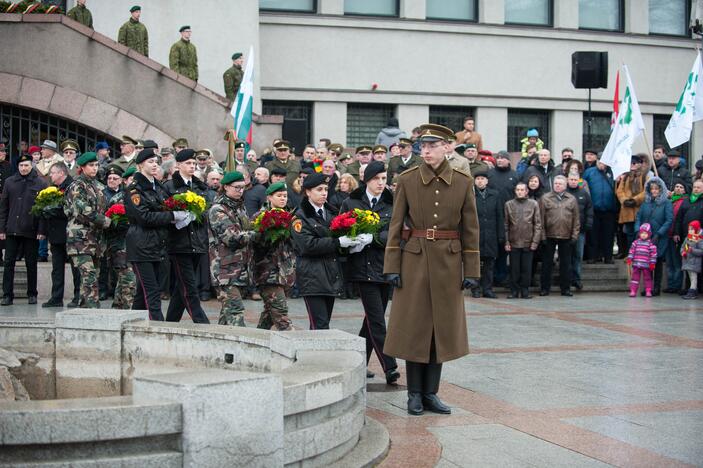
pixel 47 199
pixel 187 201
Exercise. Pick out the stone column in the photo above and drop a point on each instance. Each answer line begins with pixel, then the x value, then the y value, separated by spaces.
pixel 491 11
pixel 492 124
pixel 330 121
pixel 229 418
pixel 413 9
pixel 566 14
pixel 89 351
pixel 567 132
pixel 411 116
pixel 330 7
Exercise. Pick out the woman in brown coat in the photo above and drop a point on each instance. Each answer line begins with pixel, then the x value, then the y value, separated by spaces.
pixel 630 192
pixel 430 263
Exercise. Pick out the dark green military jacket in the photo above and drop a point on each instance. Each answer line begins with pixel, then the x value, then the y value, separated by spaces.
pixel 124 164
pixel 183 59
pixel 85 205
pixel 396 166
pixel 81 14
pixel 292 168
pixel 134 35
pixel 232 78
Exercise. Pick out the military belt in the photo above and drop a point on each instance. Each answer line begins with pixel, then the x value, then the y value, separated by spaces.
pixel 430 234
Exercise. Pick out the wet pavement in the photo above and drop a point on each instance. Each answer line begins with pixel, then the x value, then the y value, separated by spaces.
pixel 593 380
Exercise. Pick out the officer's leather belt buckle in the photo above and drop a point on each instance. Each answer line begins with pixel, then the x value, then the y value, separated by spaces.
pixel 432 234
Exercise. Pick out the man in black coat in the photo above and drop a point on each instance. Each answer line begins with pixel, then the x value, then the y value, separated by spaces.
pixel 673 171
pixel 489 208
pixel 187 247
pixel 19 228
pixel 365 264
pixel 55 220
pixel 503 179
pixel 583 198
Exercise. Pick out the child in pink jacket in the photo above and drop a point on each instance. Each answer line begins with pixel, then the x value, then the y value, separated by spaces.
pixel 643 259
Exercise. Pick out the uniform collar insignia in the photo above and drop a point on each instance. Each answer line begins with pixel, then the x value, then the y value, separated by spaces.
pixel 445 173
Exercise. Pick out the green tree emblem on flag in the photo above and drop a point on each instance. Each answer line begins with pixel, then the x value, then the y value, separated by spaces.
pixel 690 85
pixel 627 100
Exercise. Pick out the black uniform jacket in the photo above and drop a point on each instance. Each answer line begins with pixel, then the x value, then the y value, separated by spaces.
pixel 367 265
pixel 318 272
pixel 148 222
pixel 192 239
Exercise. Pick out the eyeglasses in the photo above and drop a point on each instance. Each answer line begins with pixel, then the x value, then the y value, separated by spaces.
pixel 238 188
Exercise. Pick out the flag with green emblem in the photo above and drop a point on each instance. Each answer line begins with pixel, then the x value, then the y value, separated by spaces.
pixel 688 109
pixel 629 125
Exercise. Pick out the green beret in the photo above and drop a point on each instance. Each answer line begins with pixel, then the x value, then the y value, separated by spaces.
pixel 183 28
pixel 129 172
pixel 230 177
pixel 236 55
pixel 277 187
pixel 135 8
pixel 87 158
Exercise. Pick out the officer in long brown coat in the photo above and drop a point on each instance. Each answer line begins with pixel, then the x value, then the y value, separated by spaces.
pixel 431 255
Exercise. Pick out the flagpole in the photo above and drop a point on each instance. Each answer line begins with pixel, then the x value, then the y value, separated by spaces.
pixel 649 152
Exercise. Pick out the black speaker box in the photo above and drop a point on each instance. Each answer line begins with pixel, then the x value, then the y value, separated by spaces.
pixel 589 69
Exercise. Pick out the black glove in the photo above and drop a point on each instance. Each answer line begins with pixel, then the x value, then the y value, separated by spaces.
pixel 469 283
pixel 629 203
pixel 394 279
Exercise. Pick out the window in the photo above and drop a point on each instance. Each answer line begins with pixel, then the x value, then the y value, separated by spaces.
pixel 19 124
pixel 660 123
pixel 364 121
pixel 532 12
pixel 297 120
pixel 455 10
pixel 520 121
pixel 605 15
pixel 669 17
pixel 450 116
pixel 371 7
pixel 302 6
pixel 600 131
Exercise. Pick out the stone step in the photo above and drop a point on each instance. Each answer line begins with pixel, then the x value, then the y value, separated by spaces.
pixel 20 287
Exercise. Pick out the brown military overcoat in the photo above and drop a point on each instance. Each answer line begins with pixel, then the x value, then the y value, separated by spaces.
pixel 430 299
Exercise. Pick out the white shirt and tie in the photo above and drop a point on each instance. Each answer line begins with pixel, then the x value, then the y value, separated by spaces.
pixel 373 199
pixel 319 210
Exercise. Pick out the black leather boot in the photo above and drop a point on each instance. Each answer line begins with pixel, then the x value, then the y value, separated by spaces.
pixel 430 387
pixel 415 371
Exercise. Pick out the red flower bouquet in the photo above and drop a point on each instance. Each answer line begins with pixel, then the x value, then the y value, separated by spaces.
pixel 355 222
pixel 273 224
pixel 117 214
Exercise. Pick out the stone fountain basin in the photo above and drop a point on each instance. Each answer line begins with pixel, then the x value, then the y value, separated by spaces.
pixel 176 394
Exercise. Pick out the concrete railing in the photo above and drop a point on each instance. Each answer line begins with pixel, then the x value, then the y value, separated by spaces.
pixel 247 396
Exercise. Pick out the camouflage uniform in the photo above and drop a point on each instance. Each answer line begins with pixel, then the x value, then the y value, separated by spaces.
pixel 274 272
pixel 233 79
pixel 84 206
pixel 81 14
pixel 134 35
pixel 230 256
pixel 183 59
pixel 116 252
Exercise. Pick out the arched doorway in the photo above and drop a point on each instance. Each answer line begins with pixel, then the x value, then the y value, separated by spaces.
pixel 19 124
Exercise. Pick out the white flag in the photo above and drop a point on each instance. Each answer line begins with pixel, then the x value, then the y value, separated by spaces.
pixel 618 151
pixel 689 109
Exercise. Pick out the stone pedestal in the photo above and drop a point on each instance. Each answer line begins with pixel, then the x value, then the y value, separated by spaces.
pixel 229 418
pixel 89 351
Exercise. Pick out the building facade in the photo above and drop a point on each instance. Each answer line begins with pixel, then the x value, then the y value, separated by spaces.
pixel 506 62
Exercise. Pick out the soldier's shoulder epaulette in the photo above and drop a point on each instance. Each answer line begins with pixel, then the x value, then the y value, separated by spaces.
pixel 408 171
pixel 462 172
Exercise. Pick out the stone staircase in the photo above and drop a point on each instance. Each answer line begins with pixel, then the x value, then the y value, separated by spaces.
pixel 20 280
pixel 595 278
